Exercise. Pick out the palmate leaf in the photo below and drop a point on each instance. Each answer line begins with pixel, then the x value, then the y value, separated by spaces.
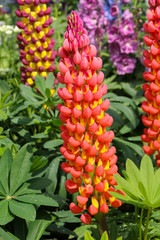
pixel 5 166
pixel 20 167
pixel 22 210
pixel 49 81
pixel 40 84
pixel 127 199
pixel 148 186
pixel 28 93
pixel 104 236
pixel 133 174
pixel 38 200
pixel 87 236
pixel 5 214
pixel 126 186
pixel 155 187
pixel 147 173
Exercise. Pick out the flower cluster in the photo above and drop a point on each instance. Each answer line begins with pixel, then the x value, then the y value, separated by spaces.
pixel 93 16
pixel 9 29
pixel 36 44
pixel 122 40
pixel 152 62
pixel 91 159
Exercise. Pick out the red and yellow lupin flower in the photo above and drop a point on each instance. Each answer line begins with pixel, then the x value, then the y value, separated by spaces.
pixel 36 44
pixel 152 89
pixel 91 159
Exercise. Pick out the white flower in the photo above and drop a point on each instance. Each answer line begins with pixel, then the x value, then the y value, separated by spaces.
pixel 8 32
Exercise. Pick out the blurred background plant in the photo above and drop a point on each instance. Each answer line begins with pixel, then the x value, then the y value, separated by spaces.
pixel 23 119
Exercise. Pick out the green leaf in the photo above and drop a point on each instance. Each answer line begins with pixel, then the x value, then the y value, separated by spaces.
pixel 147 173
pixel 38 163
pixel 37 228
pixel 155 185
pixel 3 115
pixel 62 191
pixel 143 191
pixel 40 84
pixel 52 174
pixel 87 236
pixel 128 112
pixel 50 81
pixel 20 167
pixel 120 238
pixel 28 93
pixel 38 200
pixel 125 186
pixel 39 183
pixel 7 235
pixel 113 230
pixel 5 215
pixel 5 166
pixel 133 174
pixel 24 189
pixel 126 199
pixel 22 210
pixel 53 143
pixel 64 214
pixel 70 220
pixel 104 236
pixel 133 146
pixel 2 190
pixel 21 120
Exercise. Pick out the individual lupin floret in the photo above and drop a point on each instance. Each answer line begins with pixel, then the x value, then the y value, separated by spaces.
pixel 152 89
pixel 91 159
pixel 36 44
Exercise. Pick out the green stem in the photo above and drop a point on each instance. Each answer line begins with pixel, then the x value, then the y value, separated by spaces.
pixel 136 213
pixel 102 224
pixel 135 3
pixel 147 222
pixel 140 224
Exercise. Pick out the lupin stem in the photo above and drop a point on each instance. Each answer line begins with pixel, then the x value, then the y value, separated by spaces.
pixel 102 224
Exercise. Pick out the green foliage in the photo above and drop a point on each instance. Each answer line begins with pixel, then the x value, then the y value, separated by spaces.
pixel 142 186
pixel 17 197
pixel 87 236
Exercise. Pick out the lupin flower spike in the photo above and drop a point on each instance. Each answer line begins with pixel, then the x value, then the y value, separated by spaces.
pixel 91 160
pixel 36 44
pixel 152 89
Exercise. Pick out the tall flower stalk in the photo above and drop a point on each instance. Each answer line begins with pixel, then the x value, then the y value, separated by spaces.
pixel 91 159
pixel 151 120
pixel 36 44
pixel 122 40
